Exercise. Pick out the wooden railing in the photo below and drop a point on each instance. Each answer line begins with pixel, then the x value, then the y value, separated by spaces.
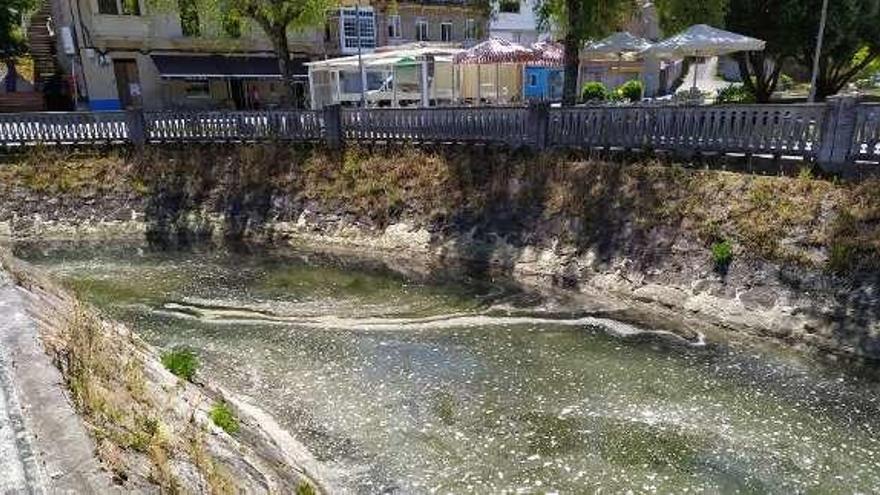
pixel 755 129
pixel 233 126
pixel 836 133
pixel 508 125
pixel 866 142
pixel 63 128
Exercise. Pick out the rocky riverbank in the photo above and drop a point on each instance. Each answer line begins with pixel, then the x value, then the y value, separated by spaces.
pixel 795 258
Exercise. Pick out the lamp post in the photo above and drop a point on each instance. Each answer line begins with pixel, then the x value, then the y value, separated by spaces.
pixel 822 21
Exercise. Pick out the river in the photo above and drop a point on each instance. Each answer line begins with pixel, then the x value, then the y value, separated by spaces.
pixel 411 384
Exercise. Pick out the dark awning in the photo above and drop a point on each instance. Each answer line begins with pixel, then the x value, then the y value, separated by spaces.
pixel 221 66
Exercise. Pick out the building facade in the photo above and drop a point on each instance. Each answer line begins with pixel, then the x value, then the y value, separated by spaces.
pixel 515 20
pixel 128 53
pixel 458 22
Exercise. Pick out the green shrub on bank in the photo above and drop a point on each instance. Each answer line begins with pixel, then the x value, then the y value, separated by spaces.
pixel 183 363
pixel 631 90
pixel 722 255
pixel 594 92
pixel 305 489
pixel 785 83
pixel 223 417
pixel 735 94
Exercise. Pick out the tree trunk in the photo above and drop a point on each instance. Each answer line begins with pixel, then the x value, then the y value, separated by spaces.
pixel 11 76
pixel 753 71
pixel 285 66
pixel 572 55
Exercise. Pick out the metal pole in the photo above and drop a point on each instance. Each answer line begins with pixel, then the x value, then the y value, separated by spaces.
pixel 424 83
pixel 822 20
pixel 357 16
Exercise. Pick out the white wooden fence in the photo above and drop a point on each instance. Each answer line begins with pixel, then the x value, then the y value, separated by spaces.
pixel 839 132
pixel 866 139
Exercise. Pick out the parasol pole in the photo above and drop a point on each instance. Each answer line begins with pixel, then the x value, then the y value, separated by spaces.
pixel 479 84
pixel 497 83
pixel 696 66
pixel 394 99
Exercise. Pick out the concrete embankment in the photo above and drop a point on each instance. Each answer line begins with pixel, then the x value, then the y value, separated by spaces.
pixel 792 258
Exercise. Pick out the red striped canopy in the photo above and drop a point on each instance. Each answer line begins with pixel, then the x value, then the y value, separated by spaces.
pixel 548 54
pixel 495 51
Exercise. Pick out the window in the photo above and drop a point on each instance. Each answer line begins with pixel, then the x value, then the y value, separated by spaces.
pixel 394 26
pixel 421 30
pixel 349 27
pixel 470 29
pixel 117 7
pixel 189 17
pixel 446 31
pixel 197 88
pixel 508 6
pixel 533 80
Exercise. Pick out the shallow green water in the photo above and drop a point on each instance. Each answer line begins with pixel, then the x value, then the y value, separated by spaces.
pixel 403 385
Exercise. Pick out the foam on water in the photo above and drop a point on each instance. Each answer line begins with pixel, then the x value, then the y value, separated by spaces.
pixel 243 316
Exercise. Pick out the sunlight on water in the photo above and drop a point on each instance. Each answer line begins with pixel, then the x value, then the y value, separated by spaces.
pixel 460 386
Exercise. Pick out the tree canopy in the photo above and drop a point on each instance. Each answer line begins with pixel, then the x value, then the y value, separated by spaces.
pixel 13 39
pixel 677 15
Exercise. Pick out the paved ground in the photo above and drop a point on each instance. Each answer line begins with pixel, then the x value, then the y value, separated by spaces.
pixel 19 472
pixel 707 76
pixel 44 447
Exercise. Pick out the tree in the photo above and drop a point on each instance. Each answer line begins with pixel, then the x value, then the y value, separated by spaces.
pixel 275 17
pixel 13 42
pixel 852 40
pixel 771 21
pixel 579 21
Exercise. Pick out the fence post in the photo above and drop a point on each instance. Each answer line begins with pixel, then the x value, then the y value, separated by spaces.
pixel 837 137
pixel 137 126
pixel 538 123
pixel 333 125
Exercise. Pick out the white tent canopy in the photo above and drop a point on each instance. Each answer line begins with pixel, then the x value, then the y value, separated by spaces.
pixel 618 44
pixel 702 40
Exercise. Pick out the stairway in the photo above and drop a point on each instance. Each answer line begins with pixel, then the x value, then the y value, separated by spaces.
pixel 42 44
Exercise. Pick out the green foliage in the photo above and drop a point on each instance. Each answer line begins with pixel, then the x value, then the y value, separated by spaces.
pixel 735 94
pixel 12 34
pixel 851 44
pixel 183 363
pixel 631 90
pixel 786 82
pixel 223 417
pixel 304 488
pixel 722 255
pixel 594 91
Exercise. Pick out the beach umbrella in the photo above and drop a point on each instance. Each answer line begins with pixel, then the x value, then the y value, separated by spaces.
pixel 701 41
pixel 618 45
